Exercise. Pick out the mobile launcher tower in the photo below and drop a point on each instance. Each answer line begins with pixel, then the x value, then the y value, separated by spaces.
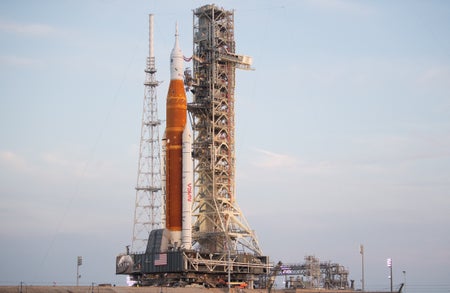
pixel 217 248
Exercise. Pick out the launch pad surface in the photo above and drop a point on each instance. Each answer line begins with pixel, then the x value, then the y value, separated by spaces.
pixel 111 289
pixel 183 268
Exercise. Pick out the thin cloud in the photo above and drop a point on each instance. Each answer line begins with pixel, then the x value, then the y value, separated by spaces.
pixel 270 159
pixel 388 149
pixel 59 161
pixel 55 164
pixel 13 160
pixel 435 75
pixel 17 61
pixel 351 7
pixel 276 161
pixel 33 29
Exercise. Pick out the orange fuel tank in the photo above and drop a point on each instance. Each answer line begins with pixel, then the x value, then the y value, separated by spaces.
pixel 176 112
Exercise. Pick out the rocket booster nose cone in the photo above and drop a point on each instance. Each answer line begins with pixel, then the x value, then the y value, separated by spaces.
pixel 176 59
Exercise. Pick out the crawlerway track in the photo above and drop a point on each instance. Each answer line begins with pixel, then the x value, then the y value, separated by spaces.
pixel 99 289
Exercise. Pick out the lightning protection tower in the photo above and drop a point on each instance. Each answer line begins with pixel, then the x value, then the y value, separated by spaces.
pixel 148 214
pixel 219 226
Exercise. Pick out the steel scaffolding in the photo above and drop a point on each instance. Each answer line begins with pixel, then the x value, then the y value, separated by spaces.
pixel 219 226
pixel 313 274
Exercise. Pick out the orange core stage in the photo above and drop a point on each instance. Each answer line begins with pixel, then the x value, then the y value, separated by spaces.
pixel 175 123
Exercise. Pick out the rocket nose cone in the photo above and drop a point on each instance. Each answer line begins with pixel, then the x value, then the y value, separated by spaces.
pixel 176 51
pixel 176 59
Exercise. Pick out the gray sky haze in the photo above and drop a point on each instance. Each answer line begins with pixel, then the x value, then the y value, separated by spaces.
pixel 342 132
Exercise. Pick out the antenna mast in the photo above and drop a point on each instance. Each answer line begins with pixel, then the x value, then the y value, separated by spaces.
pixel 148 214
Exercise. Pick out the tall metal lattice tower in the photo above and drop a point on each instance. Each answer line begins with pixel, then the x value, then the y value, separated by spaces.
pixel 149 209
pixel 219 225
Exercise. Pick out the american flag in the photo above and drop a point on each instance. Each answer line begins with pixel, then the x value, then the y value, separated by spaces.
pixel 161 259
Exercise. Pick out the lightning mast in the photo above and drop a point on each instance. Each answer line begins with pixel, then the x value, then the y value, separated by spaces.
pixel 149 209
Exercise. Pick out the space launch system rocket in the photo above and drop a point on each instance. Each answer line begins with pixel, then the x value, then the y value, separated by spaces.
pixel 177 175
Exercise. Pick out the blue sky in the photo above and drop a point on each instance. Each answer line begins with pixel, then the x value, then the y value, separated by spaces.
pixel 342 132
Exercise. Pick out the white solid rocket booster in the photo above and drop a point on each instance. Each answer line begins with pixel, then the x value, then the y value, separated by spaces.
pixel 163 179
pixel 188 188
